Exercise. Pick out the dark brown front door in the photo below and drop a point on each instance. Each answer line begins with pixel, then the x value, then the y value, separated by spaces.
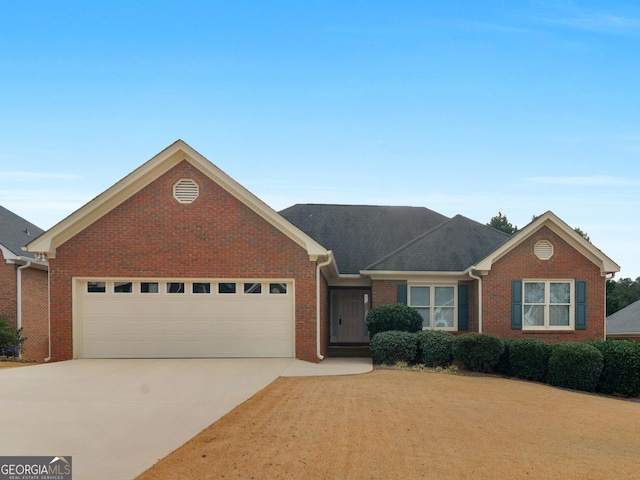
pixel 350 308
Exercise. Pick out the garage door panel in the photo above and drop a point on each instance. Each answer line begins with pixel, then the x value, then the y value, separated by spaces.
pixel 135 325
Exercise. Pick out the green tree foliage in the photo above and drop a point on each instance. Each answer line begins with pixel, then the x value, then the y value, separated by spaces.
pixel 501 222
pixel 622 293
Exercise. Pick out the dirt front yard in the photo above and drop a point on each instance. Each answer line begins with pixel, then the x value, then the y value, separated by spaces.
pixel 409 425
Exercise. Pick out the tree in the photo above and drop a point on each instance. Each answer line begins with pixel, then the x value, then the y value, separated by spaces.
pixel 622 293
pixel 500 222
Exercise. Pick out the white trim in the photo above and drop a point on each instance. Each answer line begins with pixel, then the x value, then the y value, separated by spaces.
pixel 144 175
pixel 432 306
pixel 546 305
pixel 568 234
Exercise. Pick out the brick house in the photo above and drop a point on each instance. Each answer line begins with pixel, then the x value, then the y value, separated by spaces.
pixel 23 285
pixel 179 260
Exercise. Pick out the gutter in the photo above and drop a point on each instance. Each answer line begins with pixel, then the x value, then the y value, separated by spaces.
pixel 19 296
pixel 318 267
pixel 479 279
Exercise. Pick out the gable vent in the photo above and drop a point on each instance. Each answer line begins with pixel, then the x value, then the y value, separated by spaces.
pixel 543 250
pixel 186 191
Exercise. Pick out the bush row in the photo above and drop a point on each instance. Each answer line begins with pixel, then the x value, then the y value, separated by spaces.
pixel 611 367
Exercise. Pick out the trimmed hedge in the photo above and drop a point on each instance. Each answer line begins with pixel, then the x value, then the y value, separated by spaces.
pixel 393 346
pixel 478 352
pixel 435 348
pixel 574 365
pixel 393 317
pixel 504 362
pixel 621 369
pixel 529 358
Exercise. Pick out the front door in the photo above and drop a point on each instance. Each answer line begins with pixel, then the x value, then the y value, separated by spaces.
pixel 350 308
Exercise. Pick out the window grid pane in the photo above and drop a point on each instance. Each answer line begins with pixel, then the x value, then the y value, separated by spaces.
pixel 149 287
pixel 201 287
pixel 444 296
pixel 420 296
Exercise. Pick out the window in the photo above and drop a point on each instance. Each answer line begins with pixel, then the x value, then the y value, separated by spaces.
pixel 96 287
pixel 175 287
pixel 123 287
pixel 199 287
pixel 149 287
pixel 226 288
pixel 252 288
pixel 277 288
pixel 436 304
pixel 547 304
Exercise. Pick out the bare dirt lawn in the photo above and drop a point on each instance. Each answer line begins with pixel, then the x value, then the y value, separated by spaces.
pixel 403 425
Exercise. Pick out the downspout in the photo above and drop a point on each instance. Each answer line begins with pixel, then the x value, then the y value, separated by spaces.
pixel 318 267
pixel 19 296
pixel 479 279
pixel 607 277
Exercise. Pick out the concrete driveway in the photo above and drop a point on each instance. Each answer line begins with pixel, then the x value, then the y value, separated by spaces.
pixel 116 418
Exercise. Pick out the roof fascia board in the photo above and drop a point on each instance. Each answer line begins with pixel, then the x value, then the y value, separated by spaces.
pixel 146 174
pixel 12 258
pixel 558 226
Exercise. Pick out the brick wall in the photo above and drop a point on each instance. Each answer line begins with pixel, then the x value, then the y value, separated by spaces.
pixel 8 307
pixel 152 235
pixel 384 292
pixel 521 263
pixel 35 302
pixel 35 311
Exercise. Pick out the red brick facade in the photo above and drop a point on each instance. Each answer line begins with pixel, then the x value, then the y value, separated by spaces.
pixel 567 263
pixel 8 292
pixel 35 298
pixel 152 235
pixel 35 314
pixel 521 263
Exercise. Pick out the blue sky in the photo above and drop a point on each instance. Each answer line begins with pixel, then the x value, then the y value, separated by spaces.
pixel 464 107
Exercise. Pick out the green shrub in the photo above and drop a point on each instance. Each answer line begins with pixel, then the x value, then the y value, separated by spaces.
pixel 435 347
pixel 395 317
pixel 478 352
pixel 574 365
pixel 391 347
pixel 529 358
pixel 11 339
pixel 621 369
pixel 504 362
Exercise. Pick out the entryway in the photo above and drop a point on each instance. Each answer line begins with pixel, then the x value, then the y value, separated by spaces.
pixel 349 308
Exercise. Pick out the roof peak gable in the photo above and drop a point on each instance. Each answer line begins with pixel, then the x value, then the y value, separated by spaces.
pixel 147 173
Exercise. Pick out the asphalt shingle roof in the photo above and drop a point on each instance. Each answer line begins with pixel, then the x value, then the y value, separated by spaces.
pixel 626 320
pixel 16 232
pixel 452 246
pixel 359 235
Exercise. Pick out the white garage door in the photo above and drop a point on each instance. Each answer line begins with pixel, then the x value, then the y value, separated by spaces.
pixel 184 319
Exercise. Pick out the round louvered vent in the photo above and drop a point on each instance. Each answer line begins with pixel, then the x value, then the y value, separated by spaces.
pixel 543 250
pixel 186 191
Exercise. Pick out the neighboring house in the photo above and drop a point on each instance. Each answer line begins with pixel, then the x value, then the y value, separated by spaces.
pixel 179 260
pixel 23 285
pixel 625 323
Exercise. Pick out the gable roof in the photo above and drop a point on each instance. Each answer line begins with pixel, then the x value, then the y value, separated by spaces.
pixel 554 223
pixel 359 235
pixel 16 232
pixel 144 175
pixel 625 321
pixel 452 246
